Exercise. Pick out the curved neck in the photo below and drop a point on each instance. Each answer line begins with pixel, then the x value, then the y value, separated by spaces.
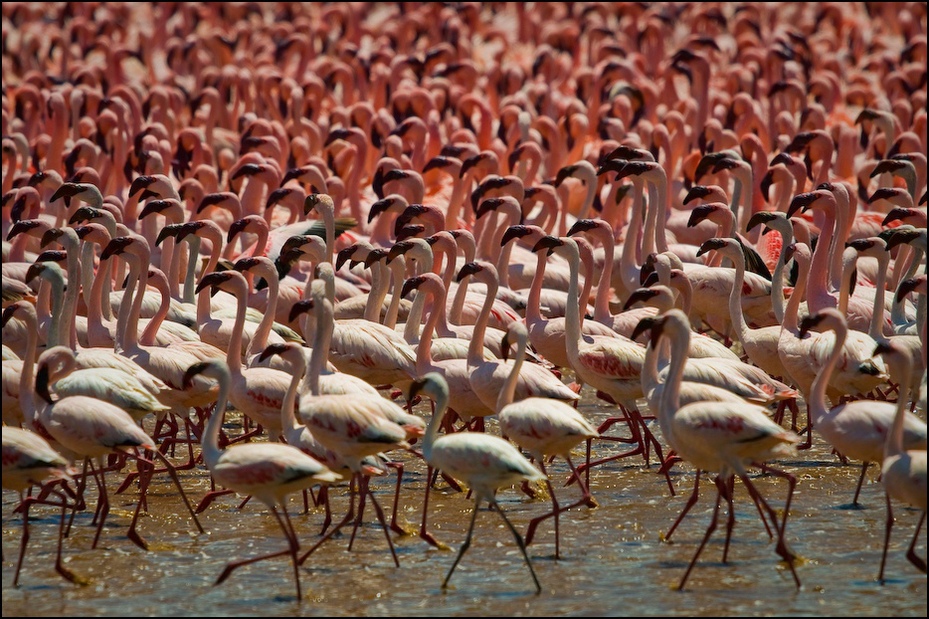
pixel 259 339
pixel 509 387
pixel 234 352
pixel 27 374
pixel 671 395
pixel 210 447
pixel 898 309
pixel 817 295
pixel 135 290
pixel 572 317
pixel 735 294
pixel 476 346
pixel 97 334
pixel 319 358
pixel 876 328
pixel 792 311
pixel 288 406
pixel 893 443
pixel 817 398
pixel 379 285
pixel 151 329
pixel 432 430
pixel 602 301
pixel 534 302
pixel 635 239
pixel 777 278
pixel 190 278
pixel 397 269
pixel 71 296
pixel 424 361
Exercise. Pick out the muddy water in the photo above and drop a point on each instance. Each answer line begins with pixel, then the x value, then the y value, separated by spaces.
pixel 613 562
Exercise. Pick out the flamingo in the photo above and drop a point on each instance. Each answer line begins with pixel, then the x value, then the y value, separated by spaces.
pixel 92 428
pixel 267 471
pixel 484 462
pixel 488 377
pixel 857 429
pixel 903 470
pixel 29 460
pixel 543 427
pixel 724 437
pixel 355 427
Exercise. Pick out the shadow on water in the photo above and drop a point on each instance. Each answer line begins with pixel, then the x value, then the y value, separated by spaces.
pixel 613 563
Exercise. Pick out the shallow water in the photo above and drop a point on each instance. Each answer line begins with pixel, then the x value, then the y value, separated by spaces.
pixel 613 561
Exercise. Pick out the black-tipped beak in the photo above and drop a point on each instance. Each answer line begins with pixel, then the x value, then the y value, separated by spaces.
pixel 699 213
pixel 51 235
pixel 547 242
pixel 644 325
pixel 469 268
pixel 66 190
pixel 301 307
pixel 808 323
pixel 410 285
pixel 115 247
pixel 139 183
pixel 639 295
pixel 244 264
pixel 801 202
pixel 192 372
pixel 711 244
pixel 344 255
pixel 583 225
pixel 214 280
pixel 272 349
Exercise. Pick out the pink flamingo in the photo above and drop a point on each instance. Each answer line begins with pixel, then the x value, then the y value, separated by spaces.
pixel 484 462
pixel 267 471
pixel 903 470
pixel 544 427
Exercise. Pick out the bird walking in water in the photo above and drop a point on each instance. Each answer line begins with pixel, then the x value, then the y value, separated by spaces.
pixel 266 471
pixel 484 462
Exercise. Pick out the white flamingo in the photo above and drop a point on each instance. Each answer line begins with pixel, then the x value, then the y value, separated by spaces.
pixel 267 471
pixel 484 462
pixel 903 470
pixel 544 427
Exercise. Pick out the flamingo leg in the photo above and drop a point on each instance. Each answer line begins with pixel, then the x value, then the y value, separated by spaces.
pixel 464 546
pixel 519 542
pixel 864 469
pixel 145 477
pixel 423 533
pixel 394 524
pixel 103 504
pixel 586 499
pixel 782 550
pixel 691 501
pixel 59 566
pixel 721 490
pixel 911 551
pixel 380 517
pixel 291 549
pixel 348 516
pixel 24 540
pixel 888 525
pixel 730 517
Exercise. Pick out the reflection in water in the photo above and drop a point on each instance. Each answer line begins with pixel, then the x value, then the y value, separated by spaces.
pixel 614 561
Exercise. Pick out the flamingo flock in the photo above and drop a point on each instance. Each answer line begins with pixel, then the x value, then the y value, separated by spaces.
pixel 316 214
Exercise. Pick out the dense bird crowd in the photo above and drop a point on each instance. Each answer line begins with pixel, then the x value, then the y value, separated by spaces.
pixel 711 216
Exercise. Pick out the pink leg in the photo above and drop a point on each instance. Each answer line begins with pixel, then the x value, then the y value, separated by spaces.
pixel 348 516
pixel 721 491
pixel 864 469
pixel 911 551
pixel 292 547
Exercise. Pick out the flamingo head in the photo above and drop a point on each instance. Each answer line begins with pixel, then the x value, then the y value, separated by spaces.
pixel 711 245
